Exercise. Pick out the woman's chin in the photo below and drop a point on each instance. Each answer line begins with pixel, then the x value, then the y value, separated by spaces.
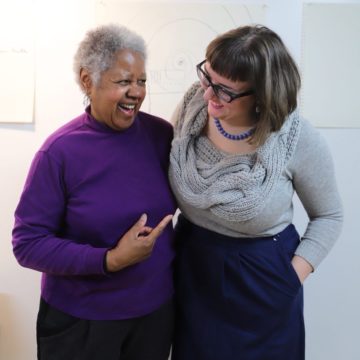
pixel 215 111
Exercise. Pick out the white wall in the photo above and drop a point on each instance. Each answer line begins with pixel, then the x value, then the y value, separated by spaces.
pixel 332 293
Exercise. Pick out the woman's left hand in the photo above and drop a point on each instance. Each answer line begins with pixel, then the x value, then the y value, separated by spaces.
pixel 302 267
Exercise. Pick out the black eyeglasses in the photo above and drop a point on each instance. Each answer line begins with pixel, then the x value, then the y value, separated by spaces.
pixel 219 90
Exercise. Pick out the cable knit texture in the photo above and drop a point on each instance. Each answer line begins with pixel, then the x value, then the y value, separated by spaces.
pixel 233 187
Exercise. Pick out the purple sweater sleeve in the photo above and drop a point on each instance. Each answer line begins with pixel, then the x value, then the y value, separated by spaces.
pixel 37 240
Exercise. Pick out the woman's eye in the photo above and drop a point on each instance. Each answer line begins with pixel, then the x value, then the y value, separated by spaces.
pixel 123 82
pixel 222 92
pixel 142 82
pixel 224 95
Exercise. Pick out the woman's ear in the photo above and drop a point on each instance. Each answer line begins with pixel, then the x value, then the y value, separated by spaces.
pixel 86 81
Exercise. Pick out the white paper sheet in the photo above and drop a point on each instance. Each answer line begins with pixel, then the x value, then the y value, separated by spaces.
pixel 331 64
pixel 17 61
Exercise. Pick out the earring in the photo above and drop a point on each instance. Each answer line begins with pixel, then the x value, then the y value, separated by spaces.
pixel 257 109
pixel 86 100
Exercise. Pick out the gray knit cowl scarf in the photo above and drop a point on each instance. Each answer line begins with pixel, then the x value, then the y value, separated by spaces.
pixel 233 187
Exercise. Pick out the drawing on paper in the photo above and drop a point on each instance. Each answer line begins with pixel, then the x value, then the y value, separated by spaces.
pixel 176 35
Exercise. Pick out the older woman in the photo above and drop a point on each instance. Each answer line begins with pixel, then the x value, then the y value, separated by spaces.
pixel 240 151
pixel 94 212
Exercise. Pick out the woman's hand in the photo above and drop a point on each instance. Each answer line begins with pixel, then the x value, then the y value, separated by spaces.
pixel 302 267
pixel 136 245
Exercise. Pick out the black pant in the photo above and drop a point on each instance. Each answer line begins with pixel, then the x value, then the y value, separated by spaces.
pixel 64 337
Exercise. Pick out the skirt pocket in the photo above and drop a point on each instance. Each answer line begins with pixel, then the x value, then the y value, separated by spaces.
pixel 287 254
pixel 259 288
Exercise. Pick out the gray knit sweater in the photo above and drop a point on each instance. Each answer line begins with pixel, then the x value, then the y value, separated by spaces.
pixel 251 195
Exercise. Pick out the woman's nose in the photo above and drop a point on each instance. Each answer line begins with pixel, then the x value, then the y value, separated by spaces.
pixel 136 90
pixel 209 94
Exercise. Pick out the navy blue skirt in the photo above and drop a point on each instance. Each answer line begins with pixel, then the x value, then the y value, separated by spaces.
pixel 236 298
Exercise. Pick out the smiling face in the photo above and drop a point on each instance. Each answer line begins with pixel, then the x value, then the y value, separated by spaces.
pixel 237 112
pixel 117 98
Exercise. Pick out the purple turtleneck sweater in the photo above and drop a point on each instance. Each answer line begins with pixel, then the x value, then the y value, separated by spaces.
pixel 87 185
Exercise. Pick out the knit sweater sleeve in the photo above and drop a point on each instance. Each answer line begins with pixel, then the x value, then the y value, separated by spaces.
pixel 37 241
pixel 313 176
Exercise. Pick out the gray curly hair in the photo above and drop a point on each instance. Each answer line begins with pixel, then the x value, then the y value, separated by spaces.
pixel 97 51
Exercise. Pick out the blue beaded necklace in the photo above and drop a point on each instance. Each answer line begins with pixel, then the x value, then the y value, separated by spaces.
pixel 241 136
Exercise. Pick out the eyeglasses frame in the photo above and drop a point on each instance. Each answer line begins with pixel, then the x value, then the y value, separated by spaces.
pixel 216 88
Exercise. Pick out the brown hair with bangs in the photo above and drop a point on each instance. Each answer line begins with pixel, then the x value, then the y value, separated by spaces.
pixel 257 55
